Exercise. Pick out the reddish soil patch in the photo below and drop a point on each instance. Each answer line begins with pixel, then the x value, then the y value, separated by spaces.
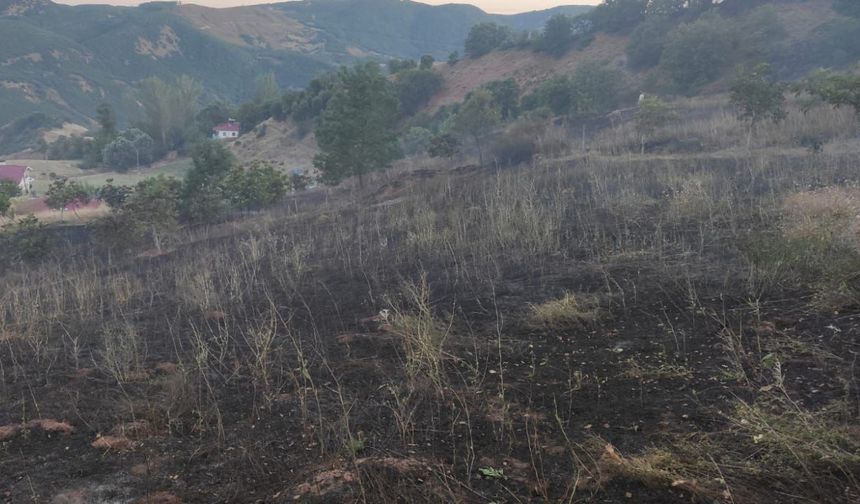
pixel 77 496
pixel 9 431
pixel 166 367
pixel 49 425
pixel 44 424
pixel 326 484
pixel 147 468
pixel 113 443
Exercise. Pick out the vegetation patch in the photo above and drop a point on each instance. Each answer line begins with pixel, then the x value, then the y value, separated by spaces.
pixel 569 311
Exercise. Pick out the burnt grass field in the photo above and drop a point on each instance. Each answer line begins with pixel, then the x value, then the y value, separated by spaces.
pixel 607 327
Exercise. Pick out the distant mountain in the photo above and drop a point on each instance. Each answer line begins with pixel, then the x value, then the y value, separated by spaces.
pixel 404 28
pixel 63 61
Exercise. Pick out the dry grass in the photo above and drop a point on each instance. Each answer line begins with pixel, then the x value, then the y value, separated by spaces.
pixel 423 336
pixel 830 214
pixel 249 312
pixel 566 312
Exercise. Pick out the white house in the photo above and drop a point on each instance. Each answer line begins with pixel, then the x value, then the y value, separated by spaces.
pixel 19 175
pixel 226 131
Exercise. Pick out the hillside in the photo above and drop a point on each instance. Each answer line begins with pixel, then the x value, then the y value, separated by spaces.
pixel 808 26
pixel 812 36
pixel 63 60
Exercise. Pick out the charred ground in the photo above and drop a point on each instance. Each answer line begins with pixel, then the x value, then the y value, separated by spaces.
pixel 597 327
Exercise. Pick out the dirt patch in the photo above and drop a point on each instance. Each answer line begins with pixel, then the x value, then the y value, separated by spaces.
pixel 31 57
pixel 76 496
pixel 113 443
pixel 280 143
pixel 8 432
pixel 328 484
pixel 528 68
pixel 166 45
pixel 67 130
pixel 256 26
pixel 28 90
pixel 166 368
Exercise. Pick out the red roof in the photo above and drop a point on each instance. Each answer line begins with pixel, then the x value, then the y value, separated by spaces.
pixel 12 172
pixel 227 126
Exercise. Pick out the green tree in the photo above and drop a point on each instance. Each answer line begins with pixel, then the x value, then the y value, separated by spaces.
pixel 26 239
pixel 266 88
pixel 107 120
pixel 647 42
pixel 396 66
pixel 5 204
pixel 169 110
pixel 557 35
pixel 618 15
pixel 8 190
pixel 697 53
pixel 131 148
pixel 356 132
pixel 202 194
pixel 114 195
pixel 506 95
pixel 415 88
pixel 299 181
pixel 258 186
pixel 119 155
pixel 445 145
pixel 426 62
pixel 105 135
pixel 477 118
pixel 597 89
pixel 486 37
pixel 153 207
pixel 652 115
pixel 758 97
pixel 63 192
pixel 556 94
pixel 416 140
pixel 838 90
pixel 454 58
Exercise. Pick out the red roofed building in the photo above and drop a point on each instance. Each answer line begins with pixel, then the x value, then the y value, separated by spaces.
pixel 19 175
pixel 226 131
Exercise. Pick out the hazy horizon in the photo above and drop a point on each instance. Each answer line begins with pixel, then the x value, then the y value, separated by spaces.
pixel 493 6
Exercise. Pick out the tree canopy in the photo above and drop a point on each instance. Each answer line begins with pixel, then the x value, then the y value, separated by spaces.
pixel 477 118
pixel 356 131
pixel 486 37
pixel 415 88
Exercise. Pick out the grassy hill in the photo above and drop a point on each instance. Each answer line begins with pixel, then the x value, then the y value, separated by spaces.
pixel 63 61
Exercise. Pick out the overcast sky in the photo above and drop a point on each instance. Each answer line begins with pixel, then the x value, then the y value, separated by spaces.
pixel 499 6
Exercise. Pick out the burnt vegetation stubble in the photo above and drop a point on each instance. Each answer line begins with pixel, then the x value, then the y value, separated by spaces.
pixel 588 327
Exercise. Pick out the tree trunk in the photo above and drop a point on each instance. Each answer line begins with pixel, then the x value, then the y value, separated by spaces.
pixel 155 239
pixel 480 150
